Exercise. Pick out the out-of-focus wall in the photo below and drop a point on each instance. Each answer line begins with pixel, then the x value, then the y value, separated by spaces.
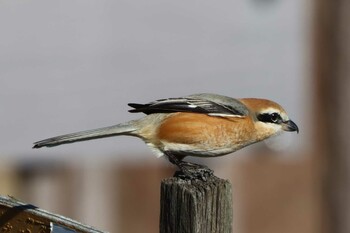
pixel 269 194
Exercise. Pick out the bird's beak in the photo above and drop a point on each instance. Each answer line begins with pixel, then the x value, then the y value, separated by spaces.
pixel 290 126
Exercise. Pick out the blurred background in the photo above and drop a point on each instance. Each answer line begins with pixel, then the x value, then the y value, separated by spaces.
pixel 67 66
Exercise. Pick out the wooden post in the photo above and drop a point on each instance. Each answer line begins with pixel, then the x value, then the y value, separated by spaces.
pixel 196 206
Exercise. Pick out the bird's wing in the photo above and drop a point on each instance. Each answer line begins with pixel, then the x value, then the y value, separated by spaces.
pixel 211 104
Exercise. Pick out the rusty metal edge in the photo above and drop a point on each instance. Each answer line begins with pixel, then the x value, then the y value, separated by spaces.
pixel 11 202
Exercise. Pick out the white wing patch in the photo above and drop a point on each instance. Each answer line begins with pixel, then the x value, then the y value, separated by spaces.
pixel 224 115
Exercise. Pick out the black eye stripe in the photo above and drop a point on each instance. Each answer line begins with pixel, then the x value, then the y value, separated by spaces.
pixel 270 117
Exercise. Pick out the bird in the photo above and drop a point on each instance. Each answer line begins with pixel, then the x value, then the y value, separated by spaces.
pixel 198 125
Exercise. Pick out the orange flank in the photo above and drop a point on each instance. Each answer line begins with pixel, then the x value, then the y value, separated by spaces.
pixel 205 130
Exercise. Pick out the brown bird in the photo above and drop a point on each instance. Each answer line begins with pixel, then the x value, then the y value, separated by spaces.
pixel 201 125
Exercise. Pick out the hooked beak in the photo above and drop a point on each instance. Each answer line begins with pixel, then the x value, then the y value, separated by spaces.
pixel 290 126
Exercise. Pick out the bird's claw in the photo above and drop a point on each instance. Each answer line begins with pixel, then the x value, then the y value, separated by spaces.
pixel 191 171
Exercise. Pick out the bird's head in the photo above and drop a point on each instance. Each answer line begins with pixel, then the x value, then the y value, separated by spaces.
pixel 269 117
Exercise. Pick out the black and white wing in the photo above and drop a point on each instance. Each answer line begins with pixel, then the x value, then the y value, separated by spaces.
pixel 211 104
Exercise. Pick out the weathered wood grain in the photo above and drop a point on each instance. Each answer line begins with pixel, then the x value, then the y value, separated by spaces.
pixel 196 206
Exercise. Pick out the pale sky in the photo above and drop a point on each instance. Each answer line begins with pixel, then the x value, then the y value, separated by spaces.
pixel 67 66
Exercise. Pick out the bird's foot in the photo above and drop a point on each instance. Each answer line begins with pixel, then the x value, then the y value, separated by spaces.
pixel 192 171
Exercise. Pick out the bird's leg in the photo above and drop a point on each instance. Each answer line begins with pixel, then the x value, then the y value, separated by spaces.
pixel 189 170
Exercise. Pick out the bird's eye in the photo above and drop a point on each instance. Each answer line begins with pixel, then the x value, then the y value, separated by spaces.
pixel 270 117
pixel 275 117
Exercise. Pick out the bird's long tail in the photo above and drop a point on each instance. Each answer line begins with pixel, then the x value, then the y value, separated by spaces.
pixel 120 129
